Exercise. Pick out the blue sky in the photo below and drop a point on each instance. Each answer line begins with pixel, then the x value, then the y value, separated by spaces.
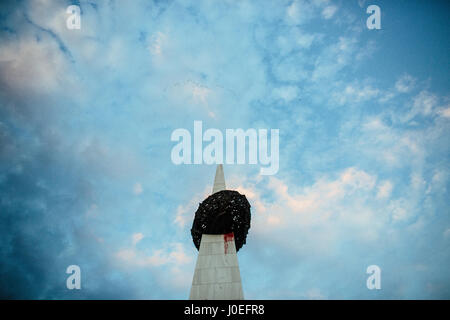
pixel 86 117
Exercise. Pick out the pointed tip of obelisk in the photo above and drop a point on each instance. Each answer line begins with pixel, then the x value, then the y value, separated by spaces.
pixel 219 180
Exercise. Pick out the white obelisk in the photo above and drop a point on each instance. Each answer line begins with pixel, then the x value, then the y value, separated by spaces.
pixel 216 275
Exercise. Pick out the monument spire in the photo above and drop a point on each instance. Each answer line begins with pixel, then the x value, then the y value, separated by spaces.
pixel 219 180
pixel 219 230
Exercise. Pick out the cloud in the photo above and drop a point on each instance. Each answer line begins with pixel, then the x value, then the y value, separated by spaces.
pixel 399 209
pixel 137 188
pixel 334 58
pixel 423 104
pixel 384 190
pixel 438 182
pixel 156 43
pixel 299 11
pixel 287 93
pixel 389 145
pixel 354 94
pixel 445 112
pixel 305 40
pixel 314 294
pixel 329 11
pixel 319 206
pixel 405 83
pixel 137 237
pixel 174 255
pixel 32 66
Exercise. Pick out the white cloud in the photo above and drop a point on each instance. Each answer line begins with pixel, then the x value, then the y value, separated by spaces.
pixel 374 124
pixel 174 255
pixel 310 207
pixel 328 12
pixel 200 93
pixel 137 188
pixel 355 94
pixel 423 104
pixel 386 97
pixel 156 43
pixel 405 83
pixel 299 12
pixel 417 182
pixel 136 237
pixel 399 209
pixel 274 220
pixel 389 145
pixel 314 294
pixel 445 112
pixel 335 57
pixel 384 189
pixel 438 182
pixel 30 65
pixel 196 96
pixel 305 40
pixel 287 93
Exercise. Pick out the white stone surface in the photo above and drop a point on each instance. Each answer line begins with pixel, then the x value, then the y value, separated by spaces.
pixel 216 275
pixel 219 180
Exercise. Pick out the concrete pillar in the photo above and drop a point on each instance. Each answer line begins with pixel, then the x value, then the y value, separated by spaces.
pixel 217 275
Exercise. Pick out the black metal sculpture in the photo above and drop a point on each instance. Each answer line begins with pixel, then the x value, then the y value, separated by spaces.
pixel 223 212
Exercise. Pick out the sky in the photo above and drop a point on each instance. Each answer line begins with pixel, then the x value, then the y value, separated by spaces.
pixel 86 116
